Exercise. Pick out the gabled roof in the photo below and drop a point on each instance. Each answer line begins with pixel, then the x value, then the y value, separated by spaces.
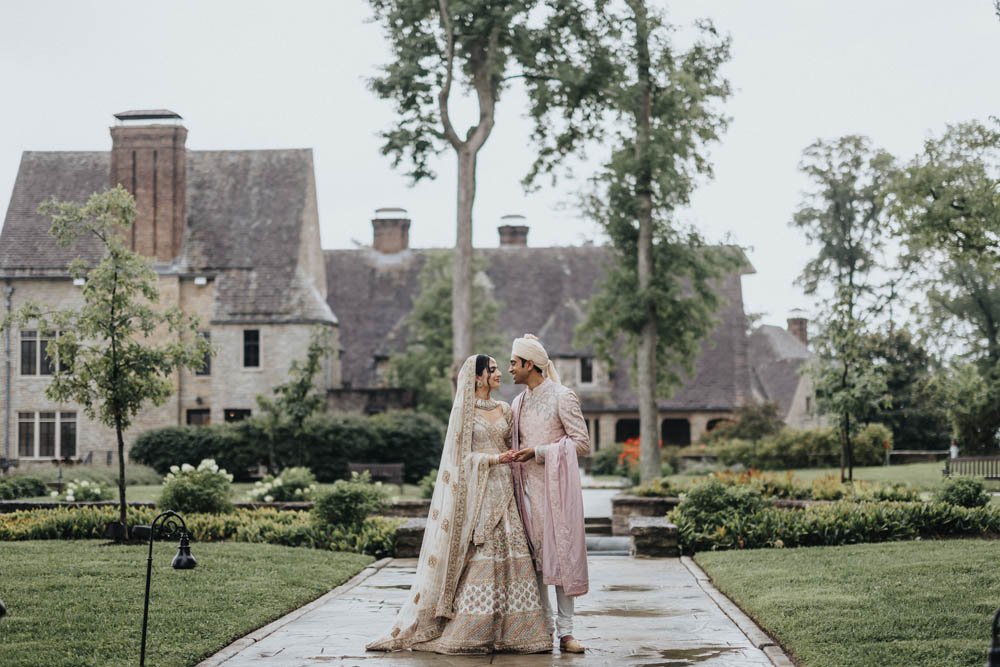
pixel 247 214
pixel 541 290
pixel 775 357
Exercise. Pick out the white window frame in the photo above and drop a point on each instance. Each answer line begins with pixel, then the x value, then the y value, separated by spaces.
pixel 36 422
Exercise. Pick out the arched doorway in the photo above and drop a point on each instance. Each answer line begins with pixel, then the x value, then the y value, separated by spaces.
pixel 676 432
pixel 625 429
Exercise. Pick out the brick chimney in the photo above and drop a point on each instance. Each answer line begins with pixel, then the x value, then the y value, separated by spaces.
pixel 148 159
pixel 513 232
pixel 798 326
pixel 392 230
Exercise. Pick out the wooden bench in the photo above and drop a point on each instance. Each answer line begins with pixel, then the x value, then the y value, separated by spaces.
pixel 391 473
pixel 987 467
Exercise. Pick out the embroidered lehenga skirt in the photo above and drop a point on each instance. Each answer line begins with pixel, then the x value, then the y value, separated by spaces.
pixel 497 603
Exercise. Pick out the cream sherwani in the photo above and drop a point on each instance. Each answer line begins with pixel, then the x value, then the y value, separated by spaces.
pixel 548 413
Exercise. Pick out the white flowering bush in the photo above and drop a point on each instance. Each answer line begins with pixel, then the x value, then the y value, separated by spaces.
pixel 292 484
pixel 202 490
pixel 82 491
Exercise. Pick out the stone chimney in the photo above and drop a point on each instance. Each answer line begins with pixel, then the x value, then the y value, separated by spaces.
pixel 392 230
pixel 148 159
pixel 798 327
pixel 513 232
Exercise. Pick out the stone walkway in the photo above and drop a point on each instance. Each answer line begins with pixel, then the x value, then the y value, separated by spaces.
pixel 639 612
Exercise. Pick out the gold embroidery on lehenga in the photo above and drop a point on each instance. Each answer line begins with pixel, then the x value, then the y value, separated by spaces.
pixel 434 514
pixel 446 476
pixel 444 525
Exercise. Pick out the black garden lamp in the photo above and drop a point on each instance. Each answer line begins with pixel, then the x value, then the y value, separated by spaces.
pixel 172 525
pixel 993 657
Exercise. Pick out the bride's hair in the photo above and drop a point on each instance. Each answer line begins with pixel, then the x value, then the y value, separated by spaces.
pixel 482 363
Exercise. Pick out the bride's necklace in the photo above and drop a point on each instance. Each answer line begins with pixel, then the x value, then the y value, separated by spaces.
pixel 486 404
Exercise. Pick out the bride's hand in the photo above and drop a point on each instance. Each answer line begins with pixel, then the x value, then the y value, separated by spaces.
pixel 507 456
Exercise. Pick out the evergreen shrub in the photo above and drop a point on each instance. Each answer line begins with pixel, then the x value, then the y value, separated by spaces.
pixel 201 490
pixel 22 486
pixel 605 461
pixel 427 484
pixel 346 505
pixel 236 447
pixel 963 492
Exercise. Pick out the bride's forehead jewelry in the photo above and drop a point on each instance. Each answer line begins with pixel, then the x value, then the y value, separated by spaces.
pixel 486 403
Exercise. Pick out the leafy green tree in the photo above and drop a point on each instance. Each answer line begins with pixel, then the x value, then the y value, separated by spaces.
pixel 656 106
pixel 948 208
pixel 443 49
pixel 423 367
pixel 915 414
pixel 845 215
pixel 283 415
pixel 752 421
pixel 118 350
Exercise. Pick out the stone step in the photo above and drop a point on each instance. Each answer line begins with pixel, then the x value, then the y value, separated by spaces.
pixel 600 525
pixel 601 545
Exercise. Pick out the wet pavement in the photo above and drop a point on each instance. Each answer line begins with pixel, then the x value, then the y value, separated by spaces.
pixel 639 612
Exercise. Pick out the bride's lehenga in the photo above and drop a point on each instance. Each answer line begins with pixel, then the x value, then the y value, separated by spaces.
pixel 475 589
pixel 497 603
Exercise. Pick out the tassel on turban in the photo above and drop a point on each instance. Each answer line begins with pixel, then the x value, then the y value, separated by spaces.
pixel 529 349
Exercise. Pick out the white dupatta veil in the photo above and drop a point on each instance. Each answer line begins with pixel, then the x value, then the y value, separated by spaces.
pixel 455 505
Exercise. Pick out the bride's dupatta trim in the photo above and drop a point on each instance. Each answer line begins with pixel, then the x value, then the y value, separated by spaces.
pixel 458 496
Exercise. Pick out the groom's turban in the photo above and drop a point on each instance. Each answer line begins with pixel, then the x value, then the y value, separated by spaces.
pixel 529 349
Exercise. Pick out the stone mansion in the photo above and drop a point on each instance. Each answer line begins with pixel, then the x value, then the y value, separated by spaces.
pixel 234 238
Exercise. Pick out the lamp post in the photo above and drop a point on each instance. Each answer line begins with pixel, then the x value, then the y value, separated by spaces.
pixel 172 524
pixel 993 657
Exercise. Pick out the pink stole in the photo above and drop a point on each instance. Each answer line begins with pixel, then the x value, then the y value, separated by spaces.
pixel 564 558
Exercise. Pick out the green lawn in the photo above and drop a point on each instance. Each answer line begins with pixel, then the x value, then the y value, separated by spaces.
pixel 150 492
pixel 902 603
pixel 80 603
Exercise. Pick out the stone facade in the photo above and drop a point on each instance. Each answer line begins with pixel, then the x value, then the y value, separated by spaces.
pixel 234 239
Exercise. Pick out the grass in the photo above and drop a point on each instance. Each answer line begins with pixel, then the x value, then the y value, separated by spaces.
pixel 150 492
pixel 903 603
pixel 80 603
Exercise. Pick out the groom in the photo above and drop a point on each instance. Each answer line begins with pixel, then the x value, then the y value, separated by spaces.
pixel 547 435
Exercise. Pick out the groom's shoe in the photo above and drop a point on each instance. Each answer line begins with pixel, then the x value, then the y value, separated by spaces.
pixel 569 645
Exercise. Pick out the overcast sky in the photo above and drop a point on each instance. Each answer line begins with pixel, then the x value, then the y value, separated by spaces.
pixel 248 74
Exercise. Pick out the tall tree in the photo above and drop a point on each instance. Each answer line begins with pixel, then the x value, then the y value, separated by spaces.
pixel 948 208
pixel 439 45
pixel 283 414
pixel 656 104
pixel 118 350
pixel 845 215
pixel 422 368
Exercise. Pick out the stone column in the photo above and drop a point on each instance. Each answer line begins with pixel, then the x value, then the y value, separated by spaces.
pixel 607 429
pixel 699 425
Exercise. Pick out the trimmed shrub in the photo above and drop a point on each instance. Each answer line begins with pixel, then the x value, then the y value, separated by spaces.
pixel 333 440
pixel 963 492
pixel 412 438
pixel 711 503
pixel 135 473
pixel 831 524
pixel 870 445
pixel 377 535
pixel 22 486
pixel 293 484
pixel 605 461
pixel 346 505
pixel 235 447
pixel 201 490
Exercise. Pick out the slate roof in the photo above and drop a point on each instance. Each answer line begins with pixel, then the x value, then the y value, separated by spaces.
pixel 775 358
pixel 541 290
pixel 245 215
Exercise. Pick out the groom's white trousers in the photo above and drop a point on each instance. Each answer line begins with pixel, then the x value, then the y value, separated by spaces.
pixel 564 605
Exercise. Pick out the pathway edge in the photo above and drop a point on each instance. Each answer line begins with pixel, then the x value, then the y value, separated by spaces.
pixel 760 639
pixel 255 636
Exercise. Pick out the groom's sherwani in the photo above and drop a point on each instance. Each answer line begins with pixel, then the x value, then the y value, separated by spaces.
pixel 549 419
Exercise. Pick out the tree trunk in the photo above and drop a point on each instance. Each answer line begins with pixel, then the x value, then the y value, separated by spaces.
pixel 122 504
pixel 461 277
pixel 649 449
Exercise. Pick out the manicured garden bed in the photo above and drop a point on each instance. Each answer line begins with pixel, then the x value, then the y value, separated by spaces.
pixel 80 603
pixel 921 603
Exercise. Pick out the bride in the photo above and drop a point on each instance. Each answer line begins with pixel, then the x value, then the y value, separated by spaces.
pixel 475 589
